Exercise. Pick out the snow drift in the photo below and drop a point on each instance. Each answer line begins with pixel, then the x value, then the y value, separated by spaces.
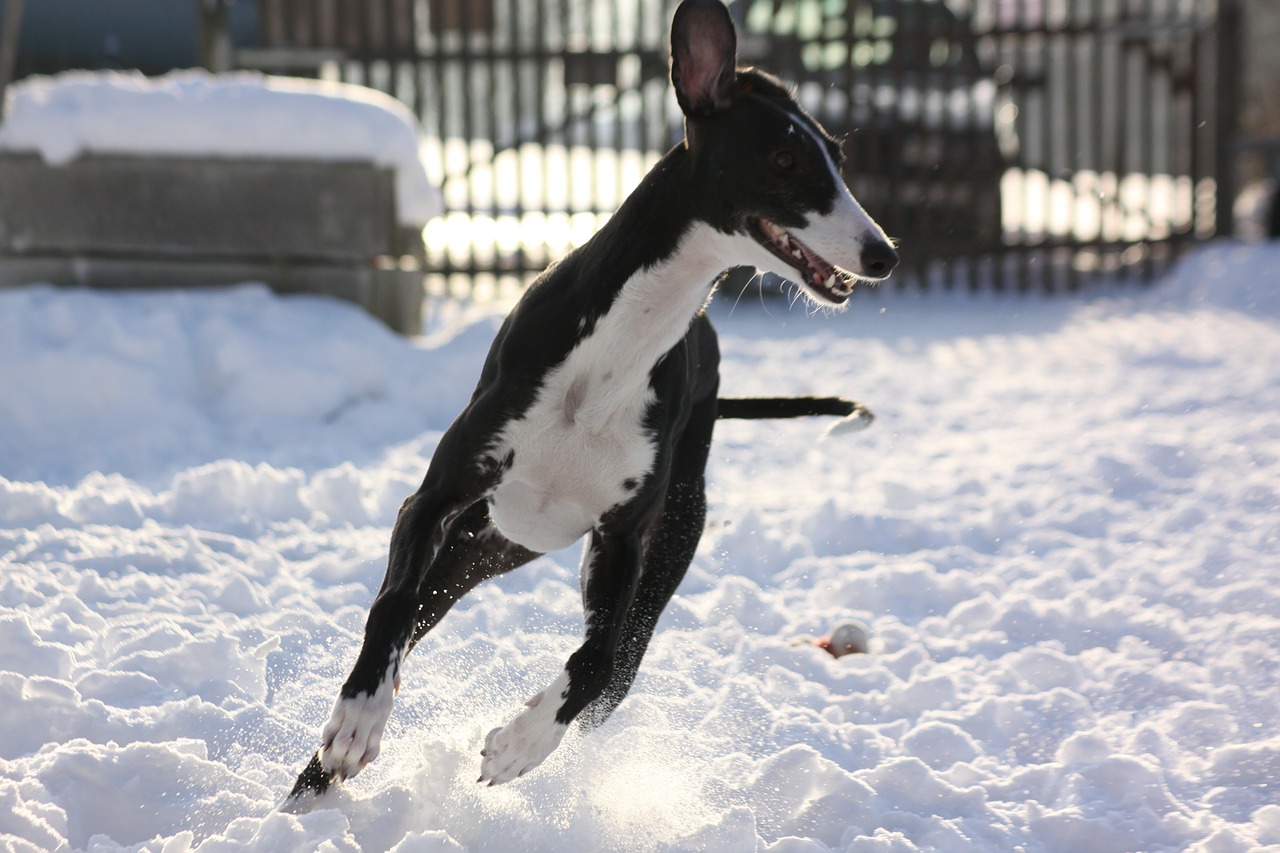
pixel 1061 531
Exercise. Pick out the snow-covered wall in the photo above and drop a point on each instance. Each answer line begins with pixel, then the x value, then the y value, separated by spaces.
pixel 194 113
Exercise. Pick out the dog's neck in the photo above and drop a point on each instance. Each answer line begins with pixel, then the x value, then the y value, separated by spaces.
pixel 654 263
pixel 635 286
pixel 649 315
pixel 665 296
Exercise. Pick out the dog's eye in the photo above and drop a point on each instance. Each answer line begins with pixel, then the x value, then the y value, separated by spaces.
pixel 784 160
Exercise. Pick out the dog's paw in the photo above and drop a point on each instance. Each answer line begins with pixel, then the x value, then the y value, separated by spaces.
pixel 526 741
pixel 353 736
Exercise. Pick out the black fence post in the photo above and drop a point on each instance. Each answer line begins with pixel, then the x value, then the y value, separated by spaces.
pixel 215 35
pixel 1229 68
pixel 10 28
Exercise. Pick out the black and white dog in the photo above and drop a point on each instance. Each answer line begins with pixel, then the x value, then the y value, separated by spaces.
pixel 594 410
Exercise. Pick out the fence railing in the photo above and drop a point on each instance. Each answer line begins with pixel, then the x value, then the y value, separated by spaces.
pixel 1025 144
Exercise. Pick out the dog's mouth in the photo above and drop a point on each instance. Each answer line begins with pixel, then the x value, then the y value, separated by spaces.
pixel 820 275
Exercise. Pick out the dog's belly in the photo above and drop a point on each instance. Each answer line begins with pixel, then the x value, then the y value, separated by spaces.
pixel 563 478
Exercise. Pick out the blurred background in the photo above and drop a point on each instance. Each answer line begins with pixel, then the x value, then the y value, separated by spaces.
pixel 1006 144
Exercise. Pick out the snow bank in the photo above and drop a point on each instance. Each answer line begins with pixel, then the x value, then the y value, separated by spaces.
pixel 1060 530
pixel 244 114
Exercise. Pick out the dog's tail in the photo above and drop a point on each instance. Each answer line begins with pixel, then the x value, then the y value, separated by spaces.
pixel 853 415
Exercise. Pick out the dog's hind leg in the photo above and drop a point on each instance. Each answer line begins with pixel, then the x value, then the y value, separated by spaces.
pixel 671 547
pixel 407 607
pixel 611 567
pixel 670 552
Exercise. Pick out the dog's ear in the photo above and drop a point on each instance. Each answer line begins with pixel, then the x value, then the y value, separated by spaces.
pixel 704 56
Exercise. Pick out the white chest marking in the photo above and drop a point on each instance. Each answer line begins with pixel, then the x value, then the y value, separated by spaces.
pixel 582 447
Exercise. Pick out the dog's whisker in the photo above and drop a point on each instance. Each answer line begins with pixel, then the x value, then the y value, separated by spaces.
pixel 741 291
pixel 760 293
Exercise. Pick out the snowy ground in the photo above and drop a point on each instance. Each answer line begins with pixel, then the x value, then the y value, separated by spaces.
pixel 1062 530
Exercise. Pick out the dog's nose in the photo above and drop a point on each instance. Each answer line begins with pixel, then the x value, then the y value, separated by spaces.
pixel 878 259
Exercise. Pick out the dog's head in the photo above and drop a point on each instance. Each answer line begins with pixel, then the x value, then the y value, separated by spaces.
pixel 768 171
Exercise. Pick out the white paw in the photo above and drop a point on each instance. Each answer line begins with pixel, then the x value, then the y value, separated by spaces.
pixel 353 736
pixel 527 740
pixel 856 421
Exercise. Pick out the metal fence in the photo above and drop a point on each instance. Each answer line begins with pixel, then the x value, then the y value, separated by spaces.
pixel 1024 144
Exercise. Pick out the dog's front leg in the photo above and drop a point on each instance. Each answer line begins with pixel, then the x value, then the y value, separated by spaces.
pixel 611 569
pixel 353 735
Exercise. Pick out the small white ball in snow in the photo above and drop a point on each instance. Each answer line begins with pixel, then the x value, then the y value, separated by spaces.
pixel 847 638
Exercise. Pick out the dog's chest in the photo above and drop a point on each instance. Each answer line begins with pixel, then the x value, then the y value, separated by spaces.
pixel 579 451
pixel 583 447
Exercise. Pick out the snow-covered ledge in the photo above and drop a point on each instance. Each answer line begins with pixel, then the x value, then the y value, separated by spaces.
pixel 229 116
pixel 115 179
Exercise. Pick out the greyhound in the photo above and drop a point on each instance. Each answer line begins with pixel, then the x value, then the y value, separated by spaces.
pixel 594 409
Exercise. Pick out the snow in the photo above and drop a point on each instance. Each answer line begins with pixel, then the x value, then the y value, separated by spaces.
pixel 1061 532
pixel 242 114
